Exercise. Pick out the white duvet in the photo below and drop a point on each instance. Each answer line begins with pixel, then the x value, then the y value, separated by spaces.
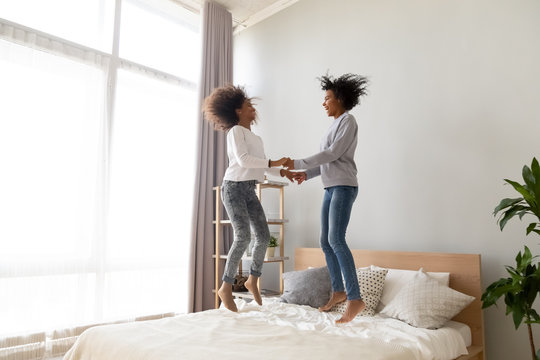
pixel 272 331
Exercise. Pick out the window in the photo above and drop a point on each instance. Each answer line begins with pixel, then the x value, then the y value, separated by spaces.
pixel 86 22
pixel 97 154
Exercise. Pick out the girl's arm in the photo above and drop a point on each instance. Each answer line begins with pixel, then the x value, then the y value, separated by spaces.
pixel 240 150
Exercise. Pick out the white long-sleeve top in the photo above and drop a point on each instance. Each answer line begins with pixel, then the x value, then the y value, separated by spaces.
pixel 246 156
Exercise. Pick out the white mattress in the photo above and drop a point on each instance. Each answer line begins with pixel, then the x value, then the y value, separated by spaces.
pixel 274 330
pixel 463 329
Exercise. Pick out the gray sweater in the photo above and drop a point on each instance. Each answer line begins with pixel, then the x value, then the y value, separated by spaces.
pixel 335 163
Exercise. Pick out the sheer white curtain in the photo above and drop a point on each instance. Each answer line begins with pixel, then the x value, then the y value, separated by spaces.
pixel 97 158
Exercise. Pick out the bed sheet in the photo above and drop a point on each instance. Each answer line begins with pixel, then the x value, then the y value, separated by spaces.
pixel 273 331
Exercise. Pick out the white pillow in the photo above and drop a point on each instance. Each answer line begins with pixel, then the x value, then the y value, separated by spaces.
pixel 425 303
pixel 397 278
pixel 371 285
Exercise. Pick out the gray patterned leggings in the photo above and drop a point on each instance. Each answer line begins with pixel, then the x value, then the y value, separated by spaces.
pixel 244 209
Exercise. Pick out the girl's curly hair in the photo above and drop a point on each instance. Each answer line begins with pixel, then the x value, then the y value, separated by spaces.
pixel 220 106
pixel 347 88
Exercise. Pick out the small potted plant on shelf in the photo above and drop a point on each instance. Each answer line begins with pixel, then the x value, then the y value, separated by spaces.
pixel 270 250
pixel 521 288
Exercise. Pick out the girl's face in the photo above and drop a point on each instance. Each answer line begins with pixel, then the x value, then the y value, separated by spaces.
pixel 247 113
pixel 332 105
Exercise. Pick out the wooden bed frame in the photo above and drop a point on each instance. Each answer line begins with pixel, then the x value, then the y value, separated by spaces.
pixel 464 272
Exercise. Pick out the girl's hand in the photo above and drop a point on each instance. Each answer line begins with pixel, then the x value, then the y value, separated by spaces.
pixel 280 162
pixel 289 164
pixel 288 174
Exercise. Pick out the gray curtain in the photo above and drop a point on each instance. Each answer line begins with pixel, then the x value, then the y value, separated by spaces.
pixel 212 154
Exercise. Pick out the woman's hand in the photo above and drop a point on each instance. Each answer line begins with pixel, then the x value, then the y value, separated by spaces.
pixel 299 176
pixel 280 162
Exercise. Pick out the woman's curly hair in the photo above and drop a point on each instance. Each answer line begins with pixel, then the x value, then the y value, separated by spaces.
pixel 347 88
pixel 220 106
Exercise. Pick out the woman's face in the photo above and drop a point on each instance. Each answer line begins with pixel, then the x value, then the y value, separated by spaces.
pixel 247 113
pixel 332 105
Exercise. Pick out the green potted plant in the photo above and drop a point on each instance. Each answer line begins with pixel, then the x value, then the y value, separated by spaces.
pixel 521 288
pixel 270 250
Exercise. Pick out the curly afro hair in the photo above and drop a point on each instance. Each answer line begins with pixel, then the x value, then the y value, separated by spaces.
pixel 347 88
pixel 220 106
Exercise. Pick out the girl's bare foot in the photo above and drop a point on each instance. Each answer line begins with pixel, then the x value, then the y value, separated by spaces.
pixel 225 294
pixel 253 287
pixel 353 308
pixel 336 298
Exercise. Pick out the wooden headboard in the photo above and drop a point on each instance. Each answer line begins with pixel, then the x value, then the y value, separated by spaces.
pixel 464 272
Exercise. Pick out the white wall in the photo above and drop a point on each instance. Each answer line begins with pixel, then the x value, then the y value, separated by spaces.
pixel 453 109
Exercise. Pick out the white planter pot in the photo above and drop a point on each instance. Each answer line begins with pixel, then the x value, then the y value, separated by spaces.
pixel 270 252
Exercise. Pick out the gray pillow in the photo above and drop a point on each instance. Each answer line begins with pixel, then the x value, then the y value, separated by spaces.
pixel 307 287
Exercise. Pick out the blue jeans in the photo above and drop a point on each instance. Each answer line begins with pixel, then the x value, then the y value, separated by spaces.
pixel 335 215
pixel 245 212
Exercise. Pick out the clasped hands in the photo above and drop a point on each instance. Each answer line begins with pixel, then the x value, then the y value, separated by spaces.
pixel 288 165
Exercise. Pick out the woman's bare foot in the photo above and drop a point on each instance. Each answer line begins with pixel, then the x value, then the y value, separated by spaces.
pixel 253 287
pixel 225 294
pixel 336 298
pixel 353 308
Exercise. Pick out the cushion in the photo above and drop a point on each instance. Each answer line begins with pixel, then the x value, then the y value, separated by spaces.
pixel 397 278
pixel 307 287
pixel 371 285
pixel 425 303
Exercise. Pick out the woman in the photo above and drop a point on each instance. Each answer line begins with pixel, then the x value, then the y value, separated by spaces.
pixel 231 110
pixel 335 164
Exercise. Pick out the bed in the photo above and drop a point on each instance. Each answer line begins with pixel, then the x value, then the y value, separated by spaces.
pixel 279 330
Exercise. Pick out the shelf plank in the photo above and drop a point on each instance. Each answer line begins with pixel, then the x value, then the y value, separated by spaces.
pixel 271 259
pixel 269 221
pixel 266 184
pixel 248 295
pixel 273 184
pixel 265 293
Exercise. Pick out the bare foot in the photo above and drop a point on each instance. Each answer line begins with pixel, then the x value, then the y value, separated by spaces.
pixel 353 308
pixel 225 294
pixel 336 298
pixel 251 285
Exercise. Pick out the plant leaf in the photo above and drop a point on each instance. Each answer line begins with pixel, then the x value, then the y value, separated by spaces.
pixel 510 213
pixel 527 256
pixel 523 191
pixel 530 228
pixel 534 315
pixel 506 203
pixel 495 291
pixel 535 168
pixel 528 177
pixel 513 272
pixel 523 213
pixel 517 315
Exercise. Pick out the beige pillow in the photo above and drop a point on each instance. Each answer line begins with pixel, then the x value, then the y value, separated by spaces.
pixel 397 278
pixel 425 303
pixel 371 285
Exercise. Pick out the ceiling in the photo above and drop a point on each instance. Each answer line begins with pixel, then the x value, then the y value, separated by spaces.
pixel 244 12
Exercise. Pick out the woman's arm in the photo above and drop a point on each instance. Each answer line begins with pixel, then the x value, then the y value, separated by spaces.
pixel 345 135
pixel 313 172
